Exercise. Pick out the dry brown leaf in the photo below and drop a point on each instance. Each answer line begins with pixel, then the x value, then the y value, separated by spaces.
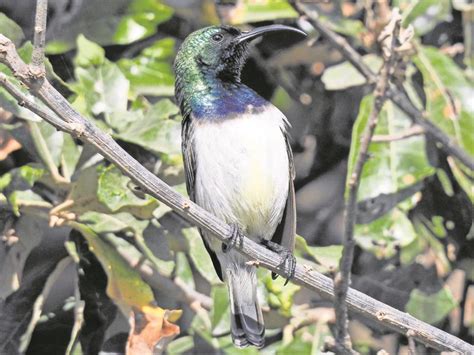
pixel 151 330
pixel 7 143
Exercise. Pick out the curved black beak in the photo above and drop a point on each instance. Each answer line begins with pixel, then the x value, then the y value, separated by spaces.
pixel 260 31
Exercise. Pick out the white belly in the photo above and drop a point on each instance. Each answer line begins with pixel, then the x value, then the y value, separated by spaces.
pixel 242 171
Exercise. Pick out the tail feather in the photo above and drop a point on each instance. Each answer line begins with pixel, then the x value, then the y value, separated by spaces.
pixel 247 325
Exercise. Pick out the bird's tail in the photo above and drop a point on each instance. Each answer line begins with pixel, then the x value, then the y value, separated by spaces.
pixel 247 326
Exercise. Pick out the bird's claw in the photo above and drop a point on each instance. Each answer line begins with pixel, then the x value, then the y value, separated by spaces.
pixel 288 263
pixel 235 238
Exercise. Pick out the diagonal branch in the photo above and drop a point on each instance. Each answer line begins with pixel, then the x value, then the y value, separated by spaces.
pixel 78 126
pixel 343 277
pixel 394 94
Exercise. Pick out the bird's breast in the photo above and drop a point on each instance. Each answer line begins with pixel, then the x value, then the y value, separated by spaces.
pixel 242 171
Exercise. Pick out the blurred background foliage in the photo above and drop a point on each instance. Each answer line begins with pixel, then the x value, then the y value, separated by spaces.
pixel 82 246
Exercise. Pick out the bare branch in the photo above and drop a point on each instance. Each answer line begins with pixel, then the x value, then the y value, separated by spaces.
pixel 37 59
pixel 414 130
pixel 343 277
pixel 78 126
pixel 394 94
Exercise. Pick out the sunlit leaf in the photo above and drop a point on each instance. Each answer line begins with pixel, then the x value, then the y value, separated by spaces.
pixel 249 11
pixel 387 234
pixel 114 192
pixel 449 95
pixel 11 30
pixel 156 131
pixel 345 75
pixel 282 295
pixel 424 15
pixel 111 24
pixel 392 165
pixel 141 20
pixel 100 90
pixel 88 53
pixel 150 73
pixel 328 256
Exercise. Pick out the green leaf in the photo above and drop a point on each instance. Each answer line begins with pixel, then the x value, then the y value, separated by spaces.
pixel 424 15
pixel 199 255
pixel 141 20
pixel 11 30
pixel 156 131
pixel 393 165
pixel 249 11
pixel 180 346
pixel 449 95
pixel 125 285
pixel 386 235
pixel 465 178
pixel 100 90
pixel 150 73
pixel 431 308
pixel 345 75
pixel 344 26
pixel 220 310
pixel 88 53
pixel 282 295
pixel 327 256
pixel 112 223
pixel 296 346
pixel 48 142
pixel 69 156
pixel 114 192
pixel 111 24
pixel 183 270
pixel 17 185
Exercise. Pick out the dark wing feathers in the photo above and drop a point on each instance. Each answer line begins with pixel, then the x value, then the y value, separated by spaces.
pixel 285 233
pixel 187 132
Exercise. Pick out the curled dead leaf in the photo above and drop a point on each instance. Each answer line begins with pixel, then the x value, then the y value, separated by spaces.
pixel 151 330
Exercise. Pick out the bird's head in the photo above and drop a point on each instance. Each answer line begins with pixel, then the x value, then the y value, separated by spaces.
pixel 214 54
pixel 220 50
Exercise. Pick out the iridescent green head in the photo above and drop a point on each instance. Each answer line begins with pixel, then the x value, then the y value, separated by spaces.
pixel 212 57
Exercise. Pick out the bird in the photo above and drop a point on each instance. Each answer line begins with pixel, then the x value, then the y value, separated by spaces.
pixel 238 163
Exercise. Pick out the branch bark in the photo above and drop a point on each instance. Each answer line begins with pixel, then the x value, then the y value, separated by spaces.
pixel 394 94
pixel 73 123
pixel 343 277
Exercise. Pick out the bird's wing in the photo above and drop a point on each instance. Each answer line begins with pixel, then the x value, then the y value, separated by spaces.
pixel 187 133
pixel 286 230
pixel 187 138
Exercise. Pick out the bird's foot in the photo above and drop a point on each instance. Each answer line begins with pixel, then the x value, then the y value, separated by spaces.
pixel 289 261
pixel 235 238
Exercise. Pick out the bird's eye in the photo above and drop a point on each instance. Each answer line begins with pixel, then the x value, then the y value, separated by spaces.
pixel 217 37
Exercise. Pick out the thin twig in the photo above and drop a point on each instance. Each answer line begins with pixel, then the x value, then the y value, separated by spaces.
pixel 343 277
pixel 79 306
pixel 414 130
pixel 37 58
pixel 78 126
pixel 411 344
pixel 400 99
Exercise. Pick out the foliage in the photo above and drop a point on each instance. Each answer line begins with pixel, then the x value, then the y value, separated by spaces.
pixel 152 260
